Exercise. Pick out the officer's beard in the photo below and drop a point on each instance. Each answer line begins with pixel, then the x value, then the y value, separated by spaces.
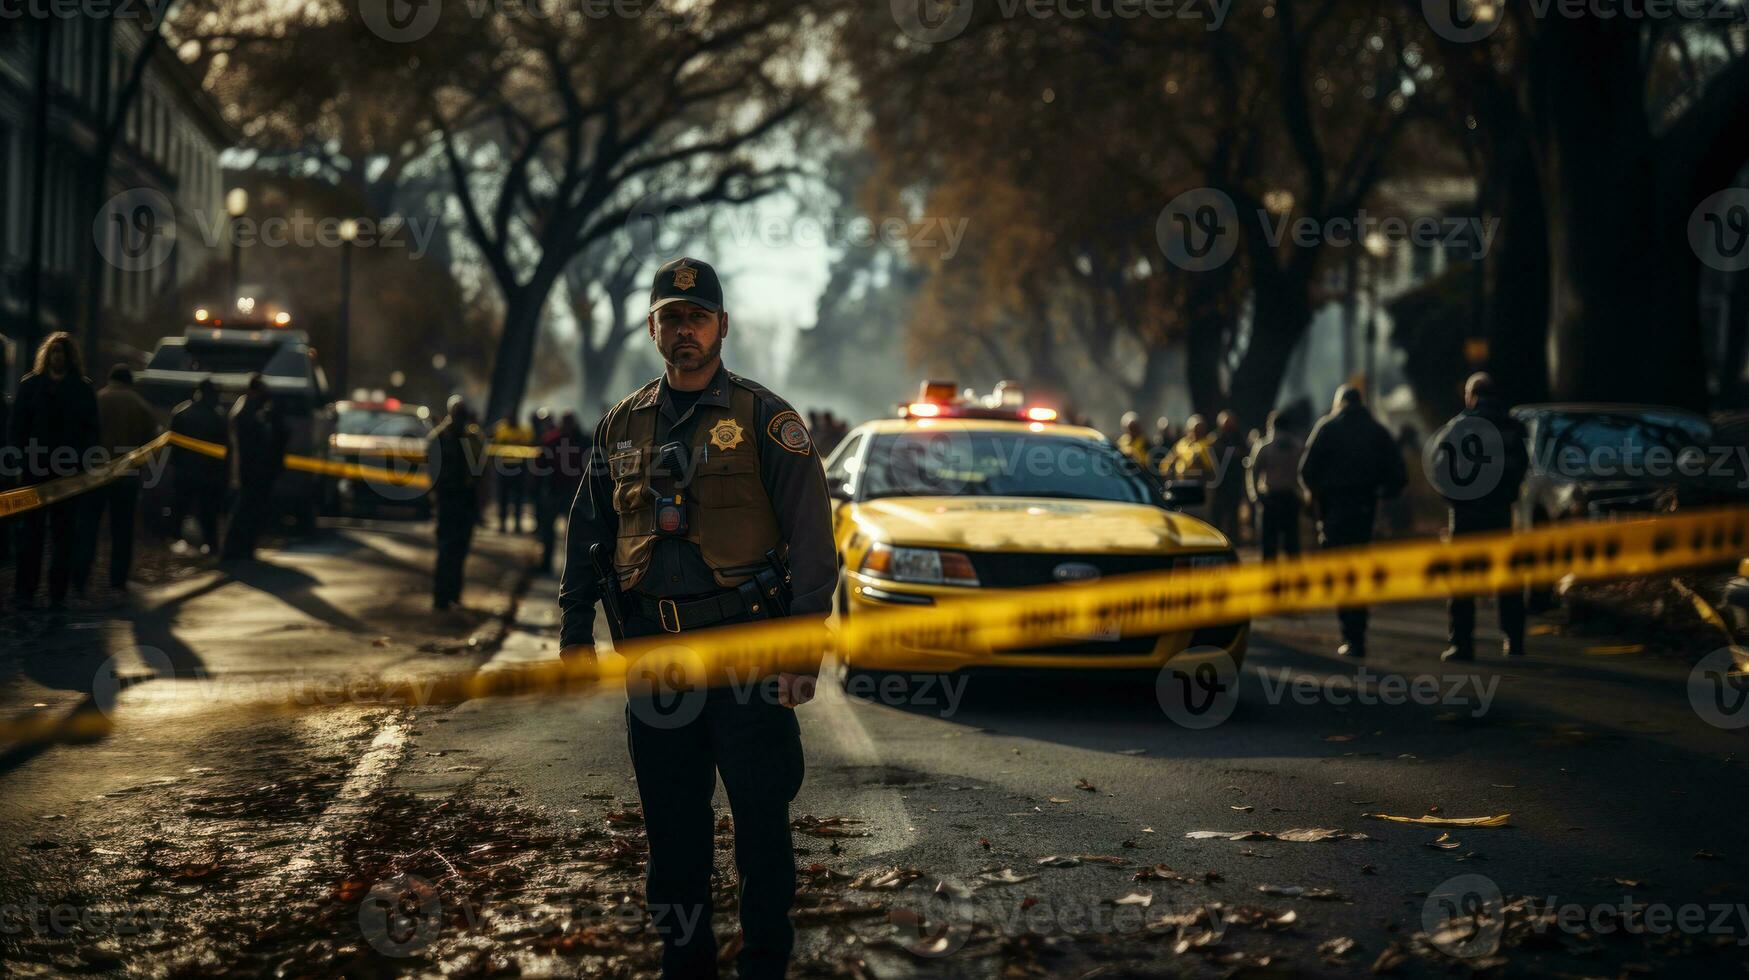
pixel 691 358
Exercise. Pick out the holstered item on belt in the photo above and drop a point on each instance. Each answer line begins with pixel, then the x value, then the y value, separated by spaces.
pixel 607 583
pixel 773 583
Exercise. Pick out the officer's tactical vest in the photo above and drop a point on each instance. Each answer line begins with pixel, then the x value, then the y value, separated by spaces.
pixel 732 522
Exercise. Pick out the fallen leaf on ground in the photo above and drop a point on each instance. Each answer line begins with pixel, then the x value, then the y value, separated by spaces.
pixel 1433 821
pixel 1300 891
pixel 1056 799
pixel 1085 786
pixel 1296 835
pixel 1445 842
pixel 885 879
pixel 1143 899
pixel 1004 876
pixel 1242 808
pixel 1335 949
pixel 1060 861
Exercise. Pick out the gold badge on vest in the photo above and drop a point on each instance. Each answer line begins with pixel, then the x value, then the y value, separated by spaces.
pixel 726 434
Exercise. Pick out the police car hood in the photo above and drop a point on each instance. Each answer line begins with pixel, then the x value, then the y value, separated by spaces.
pixel 1023 524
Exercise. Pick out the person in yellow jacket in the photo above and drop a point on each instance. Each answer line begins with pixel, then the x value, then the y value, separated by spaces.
pixel 1134 442
pixel 1193 457
pixel 512 474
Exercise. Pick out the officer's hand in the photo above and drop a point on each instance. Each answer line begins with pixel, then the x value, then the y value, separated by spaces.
pixel 795 689
pixel 583 653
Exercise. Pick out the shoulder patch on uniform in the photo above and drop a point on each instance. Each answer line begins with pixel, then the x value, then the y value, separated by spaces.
pixel 789 431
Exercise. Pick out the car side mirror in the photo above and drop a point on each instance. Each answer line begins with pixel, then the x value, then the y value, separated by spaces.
pixel 1185 493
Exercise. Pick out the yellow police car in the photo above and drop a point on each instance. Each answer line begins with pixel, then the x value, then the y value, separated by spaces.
pixel 960 493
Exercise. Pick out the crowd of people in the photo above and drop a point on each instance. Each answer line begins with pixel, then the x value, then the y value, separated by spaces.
pixel 1250 479
pixel 1345 471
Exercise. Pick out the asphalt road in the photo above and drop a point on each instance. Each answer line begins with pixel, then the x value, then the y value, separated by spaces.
pixel 976 827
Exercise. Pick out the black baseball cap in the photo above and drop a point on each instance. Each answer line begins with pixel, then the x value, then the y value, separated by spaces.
pixel 686 280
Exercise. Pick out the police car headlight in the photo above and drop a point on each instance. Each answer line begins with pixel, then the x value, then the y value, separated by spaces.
pixel 922 565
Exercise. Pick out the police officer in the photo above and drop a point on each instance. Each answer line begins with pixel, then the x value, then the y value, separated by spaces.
pixel 750 485
pixel 199 477
pixel 1133 442
pixel 257 453
pixel 457 450
pixel 1478 461
pixel 1351 462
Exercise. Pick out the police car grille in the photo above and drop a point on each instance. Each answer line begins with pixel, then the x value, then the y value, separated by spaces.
pixel 1013 571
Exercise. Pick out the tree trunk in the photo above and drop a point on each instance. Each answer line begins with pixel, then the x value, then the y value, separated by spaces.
pixel 515 356
pixel 1210 324
pixel 1283 312
pixel 1623 316
pixel 1516 276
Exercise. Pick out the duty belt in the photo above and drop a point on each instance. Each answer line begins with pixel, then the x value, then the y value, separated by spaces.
pixel 676 615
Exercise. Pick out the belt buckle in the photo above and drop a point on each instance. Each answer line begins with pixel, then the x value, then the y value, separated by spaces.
pixel 670 614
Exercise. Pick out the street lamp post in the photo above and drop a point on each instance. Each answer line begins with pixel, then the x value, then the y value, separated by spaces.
pixel 343 366
pixel 1377 247
pixel 236 202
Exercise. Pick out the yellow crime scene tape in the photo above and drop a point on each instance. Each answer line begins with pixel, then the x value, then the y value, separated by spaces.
pixel 1150 603
pixel 53 491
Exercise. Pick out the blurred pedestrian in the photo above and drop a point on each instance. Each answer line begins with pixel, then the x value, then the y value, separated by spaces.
pixel 257 436
pixel 1350 464
pixel 565 453
pixel 1133 442
pixel 127 423
pixel 1273 482
pixel 511 473
pixel 1192 456
pixel 1481 491
pixel 1164 437
pixel 1228 451
pixel 199 478
pixel 54 426
pixel 456 449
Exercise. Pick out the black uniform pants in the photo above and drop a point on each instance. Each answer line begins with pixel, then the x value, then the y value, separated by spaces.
pixel 205 501
pixel 455 536
pixel 1280 525
pixel 57 525
pixel 680 743
pixel 120 499
pixel 1474 519
pixel 1344 522
pixel 512 493
pixel 251 509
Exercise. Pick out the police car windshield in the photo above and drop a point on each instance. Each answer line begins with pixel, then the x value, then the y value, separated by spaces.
pixel 959 462
pixel 369 422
